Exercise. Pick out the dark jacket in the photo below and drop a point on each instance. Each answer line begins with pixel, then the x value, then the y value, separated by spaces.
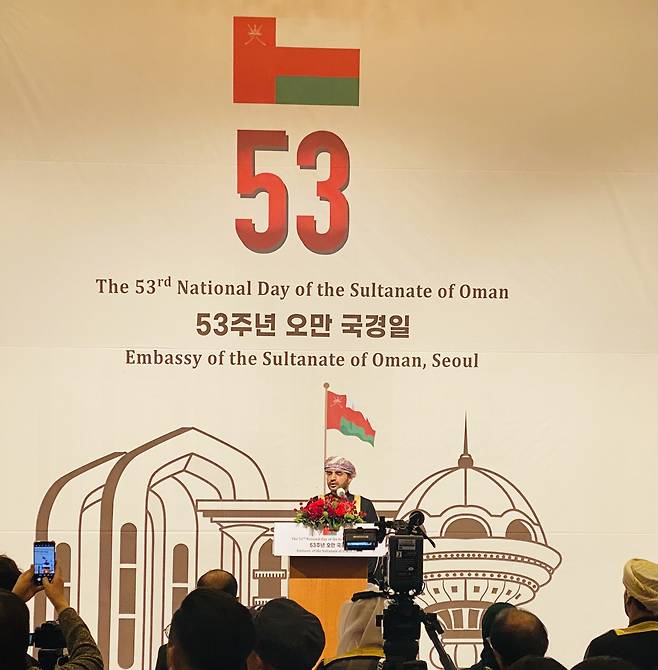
pixel 637 644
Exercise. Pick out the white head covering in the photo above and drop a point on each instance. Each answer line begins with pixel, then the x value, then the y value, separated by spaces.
pixel 357 624
pixel 641 582
pixel 340 463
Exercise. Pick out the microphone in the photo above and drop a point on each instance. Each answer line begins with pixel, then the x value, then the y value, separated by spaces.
pixel 340 492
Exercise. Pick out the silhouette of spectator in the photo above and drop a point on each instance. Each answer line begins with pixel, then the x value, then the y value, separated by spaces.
pixel 638 643
pixel 516 633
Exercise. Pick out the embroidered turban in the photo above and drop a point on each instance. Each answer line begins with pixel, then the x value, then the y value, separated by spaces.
pixel 340 463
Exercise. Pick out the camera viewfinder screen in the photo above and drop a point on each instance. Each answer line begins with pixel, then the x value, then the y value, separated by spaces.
pixel 44 561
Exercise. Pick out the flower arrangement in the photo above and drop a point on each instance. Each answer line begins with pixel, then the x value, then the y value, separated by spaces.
pixel 328 512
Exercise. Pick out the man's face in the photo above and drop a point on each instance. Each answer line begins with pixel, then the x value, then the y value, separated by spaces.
pixel 337 479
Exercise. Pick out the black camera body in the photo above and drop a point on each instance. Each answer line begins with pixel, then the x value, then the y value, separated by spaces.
pixel 404 565
pixel 403 580
pixel 48 637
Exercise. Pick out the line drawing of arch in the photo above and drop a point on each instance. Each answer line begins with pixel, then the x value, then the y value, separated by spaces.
pixel 83 508
pixel 107 524
pixel 255 548
pixel 45 510
pixel 493 475
pixel 526 526
pixel 465 515
pixel 149 565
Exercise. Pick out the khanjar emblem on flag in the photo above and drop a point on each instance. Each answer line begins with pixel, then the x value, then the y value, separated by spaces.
pixel 347 420
pixel 267 73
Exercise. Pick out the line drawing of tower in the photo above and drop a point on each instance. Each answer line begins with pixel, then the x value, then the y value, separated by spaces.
pixel 491 547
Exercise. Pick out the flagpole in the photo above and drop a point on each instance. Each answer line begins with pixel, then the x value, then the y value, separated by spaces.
pixel 324 459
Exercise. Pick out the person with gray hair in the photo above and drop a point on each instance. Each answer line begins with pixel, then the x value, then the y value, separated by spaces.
pixel 638 643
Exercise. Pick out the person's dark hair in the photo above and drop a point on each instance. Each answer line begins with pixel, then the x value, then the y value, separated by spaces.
pixel 14 631
pixel 219 579
pixel 537 663
pixel 638 604
pixel 604 663
pixel 212 630
pixel 9 572
pixel 288 637
pixel 516 633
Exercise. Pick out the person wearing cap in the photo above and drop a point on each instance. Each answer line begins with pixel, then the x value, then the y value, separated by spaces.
pixel 288 637
pixel 340 472
pixel 638 643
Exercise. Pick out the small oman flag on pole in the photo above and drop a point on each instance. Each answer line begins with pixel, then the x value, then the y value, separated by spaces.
pixel 266 73
pixel 347 420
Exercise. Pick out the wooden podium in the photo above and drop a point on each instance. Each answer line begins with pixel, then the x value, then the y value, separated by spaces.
pixel 322 584
pixel 322 574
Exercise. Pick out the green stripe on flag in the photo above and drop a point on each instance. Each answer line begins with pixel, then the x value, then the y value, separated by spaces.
pixel 317 90
pixel 349 428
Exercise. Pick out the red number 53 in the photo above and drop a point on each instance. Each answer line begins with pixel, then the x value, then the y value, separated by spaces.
pixel 251 183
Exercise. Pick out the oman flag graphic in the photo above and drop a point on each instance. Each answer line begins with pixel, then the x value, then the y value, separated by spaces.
pixel 267 73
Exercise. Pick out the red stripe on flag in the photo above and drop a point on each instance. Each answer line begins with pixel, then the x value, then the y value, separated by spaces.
pixel 304 62
pixel 257 61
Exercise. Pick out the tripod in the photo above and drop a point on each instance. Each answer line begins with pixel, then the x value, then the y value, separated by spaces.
pixel 401 627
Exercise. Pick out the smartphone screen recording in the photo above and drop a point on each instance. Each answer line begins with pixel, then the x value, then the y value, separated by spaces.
pixel 44 561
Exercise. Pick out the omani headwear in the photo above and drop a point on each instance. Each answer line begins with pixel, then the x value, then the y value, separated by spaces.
pixel 641 582
pixel 340 463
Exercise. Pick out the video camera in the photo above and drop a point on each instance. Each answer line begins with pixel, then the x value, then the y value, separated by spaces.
pixel 402 581
pixel 48 637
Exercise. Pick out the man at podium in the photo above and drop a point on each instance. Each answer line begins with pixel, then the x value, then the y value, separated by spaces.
pixel 340 472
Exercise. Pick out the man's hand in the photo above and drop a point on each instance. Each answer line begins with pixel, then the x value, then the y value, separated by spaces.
pixel 25 587
pixel 55 591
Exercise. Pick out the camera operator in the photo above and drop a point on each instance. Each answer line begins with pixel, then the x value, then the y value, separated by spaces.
pixel 15 622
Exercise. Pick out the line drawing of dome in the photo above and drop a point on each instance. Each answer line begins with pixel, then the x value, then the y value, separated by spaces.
pixel 491 547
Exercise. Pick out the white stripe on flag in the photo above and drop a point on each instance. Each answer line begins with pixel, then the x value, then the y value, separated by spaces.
pixel 318 32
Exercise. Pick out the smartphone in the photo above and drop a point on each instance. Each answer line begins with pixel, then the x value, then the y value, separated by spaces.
pixel 44 561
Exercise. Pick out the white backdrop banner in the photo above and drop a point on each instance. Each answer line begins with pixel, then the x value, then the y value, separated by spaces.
pixel 237 236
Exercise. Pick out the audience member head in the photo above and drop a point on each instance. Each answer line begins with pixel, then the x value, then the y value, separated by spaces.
pixel 288 637
pixel 604 663
pixel 211 629
pixel 640 580
pixel 219 579
pixel 357 626
pixel 14 631
pixel 9 573
pixel 487 657
pixel 536 663
pixel 516 633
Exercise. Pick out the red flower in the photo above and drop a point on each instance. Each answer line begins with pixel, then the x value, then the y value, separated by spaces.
pixel 342 508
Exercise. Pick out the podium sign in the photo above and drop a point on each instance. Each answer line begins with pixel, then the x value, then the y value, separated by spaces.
pixel 293 539
pixel 323 575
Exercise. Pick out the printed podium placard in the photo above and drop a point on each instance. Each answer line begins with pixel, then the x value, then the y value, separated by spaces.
pixel 293 539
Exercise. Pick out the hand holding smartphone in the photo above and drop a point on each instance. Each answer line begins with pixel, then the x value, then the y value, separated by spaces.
pixel 44 561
